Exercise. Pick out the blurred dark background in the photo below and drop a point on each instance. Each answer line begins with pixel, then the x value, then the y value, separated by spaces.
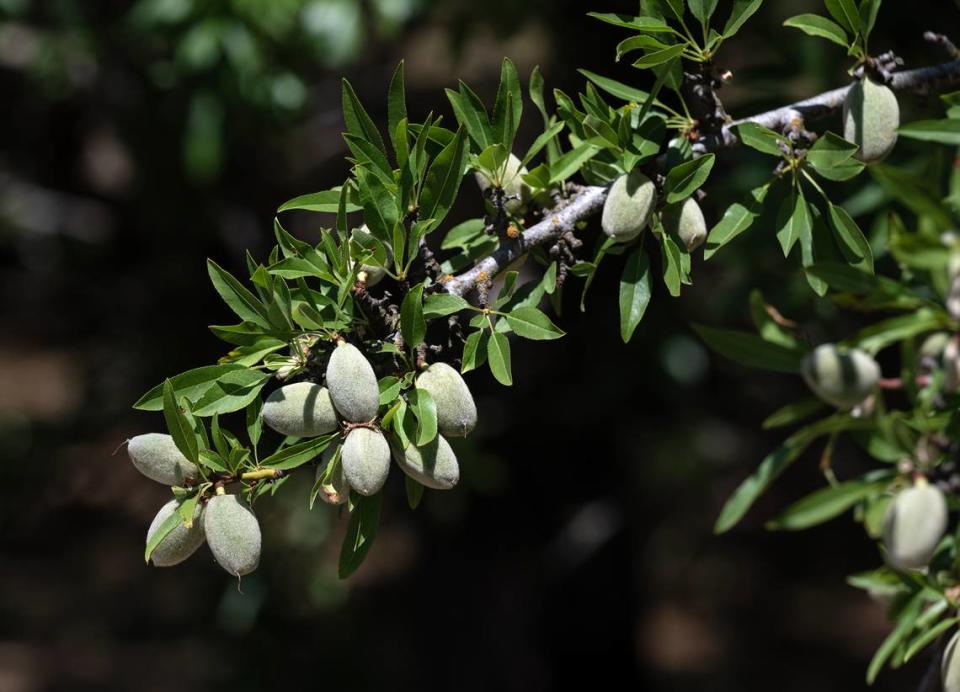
pixel 139 138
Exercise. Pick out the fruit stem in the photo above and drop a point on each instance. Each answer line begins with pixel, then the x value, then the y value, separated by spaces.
pixel 259 474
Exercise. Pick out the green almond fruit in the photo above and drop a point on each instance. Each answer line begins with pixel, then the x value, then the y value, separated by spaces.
pixel 156 456
pixel 931 350
pixel 366 460
pixel 302 409
pixel 871 116
pixel 513 185
pixel 233 534
pixel 841 378
pixel 629 206
pixel 915 522
pixel 686 221
pixel 352 384
pixel 181 542
pixel 456 410
pixel 336 490
pixel 433 464
pixel 950 665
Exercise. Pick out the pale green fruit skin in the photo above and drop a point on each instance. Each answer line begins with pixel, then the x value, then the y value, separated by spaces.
pixel 629 206
pixel 337 490
pixel 366 460
pixel 233 534
pixel 843 379
pixel 916 521
pixel 434 464
pixel 871 116
pixel 375 274
pixel 456 410
pixel 933 346
pixel 950 666
pixel 513 184
pixel 352 384
pixel 686 221
pixel 156 456
pixel 180 543
pixel 302 409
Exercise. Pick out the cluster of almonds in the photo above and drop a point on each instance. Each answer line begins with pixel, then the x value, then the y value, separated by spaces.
pixel 630 206
pixel 348 402
pixel 225 522
pixel 917 518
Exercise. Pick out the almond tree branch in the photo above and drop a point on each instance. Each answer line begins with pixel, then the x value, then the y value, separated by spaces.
pixel 587 201
pixel 923 80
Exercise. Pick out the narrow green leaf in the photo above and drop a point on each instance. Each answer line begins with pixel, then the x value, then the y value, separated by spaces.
pixel 297 455
pixel 793 413
pixel 508 105
pixel 237 297
pixel 702 9
pixel 830 150
pixel 168 525
pixel 471 115
pixel 615 88
pixel 498 356
pixel 762 139
pixel 824 505
pixel 880 335
pixel 736 219
pixel 531 323
pixel 815 25
pixel 254 420
pixel 846 14
pixel 635 291
pixel 749 349
pixel 414 492
pixel 361 532
pixel 443 304
pixel 793 220
pixel 767 327
pixel 357 120
pixel 643 24
pixel 413 327
pixel 687 178
pixel 475 350
pixel 396 108
pixel 572 161
pixel 326 201
pixel 659 57
pixel 908 616
pixel 191 384
pixel 742 11
pixel 178 425
pixel 231 392
pixel 756 484
pixel 941 131
pixel 672 262
pixel 853 244
pixel 443 179
pixel 425 409
pixel 928 637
